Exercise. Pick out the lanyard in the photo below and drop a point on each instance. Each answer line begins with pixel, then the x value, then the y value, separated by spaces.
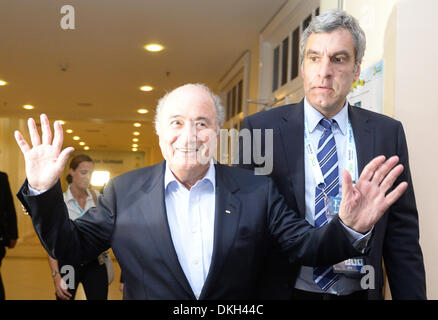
pixel 79 207
pixel 351 166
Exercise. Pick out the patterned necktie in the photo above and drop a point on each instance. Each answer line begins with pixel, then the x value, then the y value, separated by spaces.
pixel 327 156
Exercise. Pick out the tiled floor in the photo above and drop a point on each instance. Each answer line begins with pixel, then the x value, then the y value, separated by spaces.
pixel 26 274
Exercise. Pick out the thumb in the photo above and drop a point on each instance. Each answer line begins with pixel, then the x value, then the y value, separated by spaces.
pixel 347 184
pixel 63 157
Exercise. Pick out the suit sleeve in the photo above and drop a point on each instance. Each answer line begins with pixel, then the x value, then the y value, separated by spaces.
pixel 402 253
pixel 301 242
pixel 76 241
pixel 9 210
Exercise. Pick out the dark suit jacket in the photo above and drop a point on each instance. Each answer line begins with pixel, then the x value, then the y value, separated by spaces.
pixel 131 218
pixel 8 217
pixel 395 236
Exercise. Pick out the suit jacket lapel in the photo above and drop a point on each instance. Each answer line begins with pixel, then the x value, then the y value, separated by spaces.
pixel 363 137
pixel 292 135
pixel 226 222
pixel 153 207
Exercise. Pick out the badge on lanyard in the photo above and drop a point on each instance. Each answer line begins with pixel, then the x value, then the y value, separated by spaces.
pixel 332 204
pixel 349 266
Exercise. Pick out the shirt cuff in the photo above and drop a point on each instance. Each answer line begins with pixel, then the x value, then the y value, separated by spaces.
pixel 34 192
pixel 358 240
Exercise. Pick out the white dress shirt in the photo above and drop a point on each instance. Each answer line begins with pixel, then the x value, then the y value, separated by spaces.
pixel 344 285
pixel 74 209
pixel 190 214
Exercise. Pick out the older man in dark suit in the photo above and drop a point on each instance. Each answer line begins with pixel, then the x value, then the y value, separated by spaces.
pixel 187 228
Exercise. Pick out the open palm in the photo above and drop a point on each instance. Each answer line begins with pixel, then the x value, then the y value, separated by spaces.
pixel 365 203
pixel 45 161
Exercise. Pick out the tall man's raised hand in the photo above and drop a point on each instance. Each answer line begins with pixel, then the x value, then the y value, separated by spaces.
pixel 365 203
pixel 45 161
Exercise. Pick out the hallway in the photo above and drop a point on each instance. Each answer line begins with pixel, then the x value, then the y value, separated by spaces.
pixel 26 274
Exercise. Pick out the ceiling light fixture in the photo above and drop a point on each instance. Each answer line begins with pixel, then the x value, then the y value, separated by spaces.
pixel 134 139
pixel 136 133
pixel 82 143
pixel 69 131
pixel 3 83
pixel 76 138
pixel 142 111
pixel 86 148
pixel 154 47
pixel 146 88
pixel 137 124
pixel 28 107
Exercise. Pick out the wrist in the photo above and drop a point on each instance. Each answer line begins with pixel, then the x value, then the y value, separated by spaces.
pixel 54 273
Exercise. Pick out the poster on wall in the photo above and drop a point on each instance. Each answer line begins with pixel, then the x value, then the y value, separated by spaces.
pixel 367 91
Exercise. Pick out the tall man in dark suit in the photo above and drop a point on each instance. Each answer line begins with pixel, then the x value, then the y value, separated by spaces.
pixel 8 223
pixel 332 48
pixel 186 228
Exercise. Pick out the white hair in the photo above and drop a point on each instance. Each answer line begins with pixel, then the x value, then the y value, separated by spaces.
pixel 220 112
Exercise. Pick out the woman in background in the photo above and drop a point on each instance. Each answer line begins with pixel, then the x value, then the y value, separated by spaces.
pixel 78 199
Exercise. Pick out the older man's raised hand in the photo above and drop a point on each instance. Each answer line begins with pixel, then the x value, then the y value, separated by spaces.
pixel 45 161
pixel 365 203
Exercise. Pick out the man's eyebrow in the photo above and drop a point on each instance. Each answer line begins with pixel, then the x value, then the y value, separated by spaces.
pixel 310 51
pixel 196 119
pixel 341 52
pixel 337 53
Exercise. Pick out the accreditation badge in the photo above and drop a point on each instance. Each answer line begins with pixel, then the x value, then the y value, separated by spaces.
pixel 333 205
pixel 350 267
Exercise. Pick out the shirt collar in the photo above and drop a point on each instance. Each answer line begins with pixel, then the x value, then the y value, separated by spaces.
pixel 313 117
pixel 169 177
pixel 69 195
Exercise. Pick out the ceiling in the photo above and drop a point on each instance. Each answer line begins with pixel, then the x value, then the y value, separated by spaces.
pixel 90 76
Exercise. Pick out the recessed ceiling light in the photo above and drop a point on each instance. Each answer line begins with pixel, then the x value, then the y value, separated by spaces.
pixel 69 131
pixel 154 47
pixel 136 133
pixel 3 83
pixel 134 149
pixel 86 148
pixel 146 88
pixel 82 143
pixel 142 111
pixel 28 107
pixel 137 124
pixel 135 139
pixel 76 138
pixel 135 145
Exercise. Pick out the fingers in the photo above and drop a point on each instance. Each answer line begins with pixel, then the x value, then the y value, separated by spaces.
pixel 59 135
pixel 391 177
pixel 21 142
pixel 63 294
pixel 384 169
pixel 33 132
pixel 393 196
pixel 369 170
pixel 46 133
pixel 347 184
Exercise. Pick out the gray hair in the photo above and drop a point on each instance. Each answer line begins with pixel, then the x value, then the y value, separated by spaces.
pixel 332 20
pixel 220 111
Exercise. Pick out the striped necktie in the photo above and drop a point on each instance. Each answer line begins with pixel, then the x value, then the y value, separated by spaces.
pixel 327 156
